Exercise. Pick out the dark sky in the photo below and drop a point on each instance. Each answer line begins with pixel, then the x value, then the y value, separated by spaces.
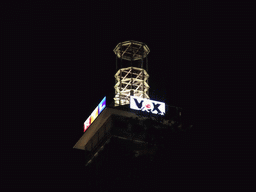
pixel 61 62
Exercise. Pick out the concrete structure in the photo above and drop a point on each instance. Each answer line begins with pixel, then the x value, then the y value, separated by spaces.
pixel 122 123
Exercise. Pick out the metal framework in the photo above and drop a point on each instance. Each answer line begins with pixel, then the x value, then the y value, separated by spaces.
pixel 131 80
pixel 131 50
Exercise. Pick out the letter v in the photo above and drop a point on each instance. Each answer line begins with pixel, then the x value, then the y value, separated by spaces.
pixel 139 105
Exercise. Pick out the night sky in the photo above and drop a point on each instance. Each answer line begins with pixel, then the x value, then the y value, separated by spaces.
pixel 60 63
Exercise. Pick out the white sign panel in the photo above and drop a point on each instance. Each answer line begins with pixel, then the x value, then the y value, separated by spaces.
pixel 147 105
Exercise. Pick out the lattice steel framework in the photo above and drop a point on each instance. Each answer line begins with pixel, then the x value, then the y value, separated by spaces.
pixel 131 50
pixel 131 80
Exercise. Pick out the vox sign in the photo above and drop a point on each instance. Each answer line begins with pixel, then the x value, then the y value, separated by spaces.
pixel 147 105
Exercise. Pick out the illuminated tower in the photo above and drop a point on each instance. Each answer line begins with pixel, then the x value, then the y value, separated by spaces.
pixel 133 127
pixel 131 77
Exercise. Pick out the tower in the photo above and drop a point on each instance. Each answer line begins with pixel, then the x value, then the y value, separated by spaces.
pixel 134 126
pixel 131 76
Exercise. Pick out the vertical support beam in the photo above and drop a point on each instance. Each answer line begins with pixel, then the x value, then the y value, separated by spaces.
pixel 147 63
pixel 142 56
pixel 121 55
pixel 116 64
pixel 142 71
pixel 132 75
pixel 147 72
pixel 115 73
pixel 143 83
pixel 120 89
pixel 121 48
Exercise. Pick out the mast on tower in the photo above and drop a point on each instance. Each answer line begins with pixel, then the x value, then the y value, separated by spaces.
pixel 131 78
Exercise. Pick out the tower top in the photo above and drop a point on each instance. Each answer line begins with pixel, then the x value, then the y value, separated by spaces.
pixel 131 50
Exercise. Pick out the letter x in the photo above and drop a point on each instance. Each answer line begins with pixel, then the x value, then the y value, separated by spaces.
pixel 156 107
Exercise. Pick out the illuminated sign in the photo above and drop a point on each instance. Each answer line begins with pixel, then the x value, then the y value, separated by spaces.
pixel 147 105
pixel 95 114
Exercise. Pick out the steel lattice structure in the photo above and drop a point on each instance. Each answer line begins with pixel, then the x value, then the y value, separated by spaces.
pixel 131 50
pixel 132 80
